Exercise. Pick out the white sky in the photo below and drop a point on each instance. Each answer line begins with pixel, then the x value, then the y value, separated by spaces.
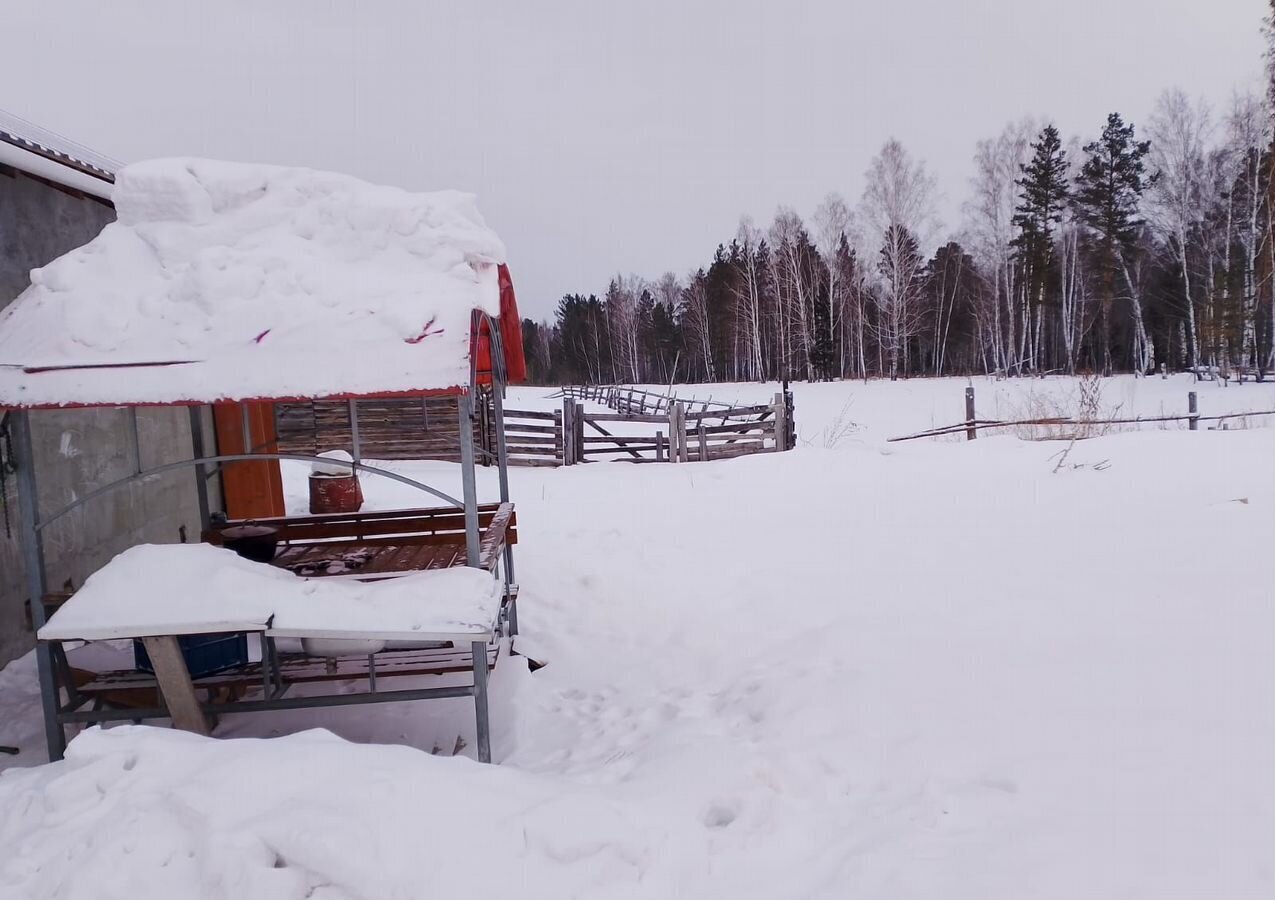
pixel 604 137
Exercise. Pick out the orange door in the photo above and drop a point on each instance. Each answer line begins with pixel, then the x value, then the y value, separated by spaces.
pixel 254 490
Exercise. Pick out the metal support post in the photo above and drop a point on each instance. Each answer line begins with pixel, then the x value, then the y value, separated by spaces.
pixel 479 649
pixel 201 473
pixel 356 451
pixel 1193 409
pixel 33 562
pixel 970 431
pixel 502 450
pixel 465 404
pixel 135 440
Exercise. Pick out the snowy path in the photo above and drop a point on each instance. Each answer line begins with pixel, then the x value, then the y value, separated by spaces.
pixel 919 670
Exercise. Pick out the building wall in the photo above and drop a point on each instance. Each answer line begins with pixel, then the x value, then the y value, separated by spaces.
pixel 79 450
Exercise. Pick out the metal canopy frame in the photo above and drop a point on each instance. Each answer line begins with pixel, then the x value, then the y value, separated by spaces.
pixel 32 525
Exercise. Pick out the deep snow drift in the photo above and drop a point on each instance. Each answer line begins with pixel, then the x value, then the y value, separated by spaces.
pixel 931 669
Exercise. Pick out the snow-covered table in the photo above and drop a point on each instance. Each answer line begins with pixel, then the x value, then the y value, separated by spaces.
pixel 160 592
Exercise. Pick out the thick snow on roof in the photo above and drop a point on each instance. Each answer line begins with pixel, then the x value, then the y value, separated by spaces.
pixel 226 281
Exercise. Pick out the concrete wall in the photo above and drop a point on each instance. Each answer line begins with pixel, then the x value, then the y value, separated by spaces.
pixel 79 450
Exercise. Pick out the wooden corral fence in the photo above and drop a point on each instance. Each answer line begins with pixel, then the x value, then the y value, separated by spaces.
pixel 671 429
pixel 638 402
pixel 682 431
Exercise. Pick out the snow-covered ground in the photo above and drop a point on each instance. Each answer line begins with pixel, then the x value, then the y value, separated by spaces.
pixel 860 669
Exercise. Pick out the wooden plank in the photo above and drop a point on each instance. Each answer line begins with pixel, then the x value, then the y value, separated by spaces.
pixel 525 461
pixel 302 668
pixel 620 417
pixel 730 412
pixel 174 683
pixel 725 451
pixel 620 439
pixel 631 448
pixel 740 428
pixel 527 439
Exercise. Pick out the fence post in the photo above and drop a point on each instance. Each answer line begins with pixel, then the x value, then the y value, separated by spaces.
pixel 568 432
pixel 1193 410
pixel 578 420
pixel 790 419
pixel 703 442
pixel 672 433
pixel 560 434
pixel 680 433
pixel 659 446
pixel 782 425
pixel 970 431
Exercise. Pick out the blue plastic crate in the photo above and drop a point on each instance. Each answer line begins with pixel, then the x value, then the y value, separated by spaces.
pixel 204 653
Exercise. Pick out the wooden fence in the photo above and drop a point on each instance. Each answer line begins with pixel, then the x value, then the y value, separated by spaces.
pixel 638 402
pixel 683 431
pixel 1075 427
pixel 679 435
pixel 671 429
pixel 418 428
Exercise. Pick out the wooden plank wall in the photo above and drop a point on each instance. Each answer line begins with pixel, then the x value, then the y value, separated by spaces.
pixel 419 428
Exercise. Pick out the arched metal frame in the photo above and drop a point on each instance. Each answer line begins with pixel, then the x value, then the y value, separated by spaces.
pixel 42 523
pixel 33 524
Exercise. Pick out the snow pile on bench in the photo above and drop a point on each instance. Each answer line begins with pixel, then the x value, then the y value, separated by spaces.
pixel 232 281
pixel 155 589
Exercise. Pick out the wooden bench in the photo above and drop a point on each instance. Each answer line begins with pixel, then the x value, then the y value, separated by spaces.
pixel 385 544
pixel 293 668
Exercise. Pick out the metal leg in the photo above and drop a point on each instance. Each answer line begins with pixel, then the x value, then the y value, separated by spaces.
pixel 509 581
pixel 33 562
pixel 271 653
pixel 62 668
pixel 479 649
pixel 371 672
pixel 267 677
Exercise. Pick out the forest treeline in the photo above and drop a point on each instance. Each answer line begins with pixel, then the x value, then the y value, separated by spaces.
pixel 1136 248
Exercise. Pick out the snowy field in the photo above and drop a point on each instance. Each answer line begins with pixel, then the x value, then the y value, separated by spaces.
pixel 859 669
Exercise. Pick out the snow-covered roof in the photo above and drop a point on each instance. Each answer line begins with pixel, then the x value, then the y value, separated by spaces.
pixel 227 281
pixel 29 148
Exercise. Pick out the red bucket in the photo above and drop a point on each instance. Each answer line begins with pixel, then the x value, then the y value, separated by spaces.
pixel 335 494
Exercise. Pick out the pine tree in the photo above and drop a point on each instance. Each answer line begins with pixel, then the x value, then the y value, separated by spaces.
pixel 1107 196
pixel 1043 196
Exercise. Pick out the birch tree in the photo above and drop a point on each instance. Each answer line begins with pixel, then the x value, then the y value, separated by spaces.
pixel 1248 132
pixel 832 225
pixel 1179 131
pixel 898 212
pixel 749 296
pixel 990 231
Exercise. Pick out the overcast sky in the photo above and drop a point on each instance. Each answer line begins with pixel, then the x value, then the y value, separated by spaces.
pixel 604 137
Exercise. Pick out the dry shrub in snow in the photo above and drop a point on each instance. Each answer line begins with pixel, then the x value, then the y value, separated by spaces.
pixel 840 428
pixel 1077 414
